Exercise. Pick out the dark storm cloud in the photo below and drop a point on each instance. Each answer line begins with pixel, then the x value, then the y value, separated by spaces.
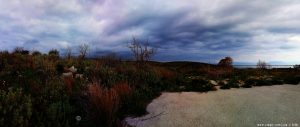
pixel 197 30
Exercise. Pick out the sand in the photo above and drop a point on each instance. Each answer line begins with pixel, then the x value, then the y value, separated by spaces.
pixel 245 107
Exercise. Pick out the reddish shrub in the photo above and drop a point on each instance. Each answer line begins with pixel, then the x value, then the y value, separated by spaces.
pixel 163 72
pixel 122 89
pixel 104 104
pixel 69 81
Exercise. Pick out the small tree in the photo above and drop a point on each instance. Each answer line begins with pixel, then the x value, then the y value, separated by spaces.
pixel 83 49
pixel 18 50
pixel 53 54
pixel 141 52
pixel 297 67
pixel 261 65
pixel 68 52
pixel 21 50
pixel 226 62
pixel 36 53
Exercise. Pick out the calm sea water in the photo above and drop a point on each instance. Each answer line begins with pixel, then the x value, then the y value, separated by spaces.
pixel 270 66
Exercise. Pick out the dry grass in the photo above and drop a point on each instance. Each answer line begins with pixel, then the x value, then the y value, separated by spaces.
pixel 104 103
pixel 163 72
pixel 69 82
pixel 122 88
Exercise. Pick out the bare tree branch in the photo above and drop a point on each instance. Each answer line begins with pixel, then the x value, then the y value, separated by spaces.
pixel 83 49
pixel 141 52
pixel 69 52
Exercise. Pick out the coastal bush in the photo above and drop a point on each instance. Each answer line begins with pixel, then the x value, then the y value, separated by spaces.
pixel 249 83
pixel 105 103
pixel 15 108
pixel 234 82
pixel 262 82
pixel 224 85
pixel 294 80
pixel 277 81
pixel 200 85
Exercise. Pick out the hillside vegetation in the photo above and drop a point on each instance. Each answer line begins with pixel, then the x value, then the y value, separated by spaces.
pixel 47 90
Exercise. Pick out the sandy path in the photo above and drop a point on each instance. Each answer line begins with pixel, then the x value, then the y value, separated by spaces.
pixel 226 108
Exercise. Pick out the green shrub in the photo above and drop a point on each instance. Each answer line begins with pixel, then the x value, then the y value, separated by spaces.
pixel 262 82
pixel 224 85
pixel 234 83
pixel 59 68
pixel 58 113
pixel 294 80
pixel 15 108
pixel 249 83
pixel 200 85
pixel 277 80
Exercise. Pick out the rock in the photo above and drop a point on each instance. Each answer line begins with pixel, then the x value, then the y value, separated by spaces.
pixel 68 74
pixel 73 69
pixel 213 82
pixel 79 76
pixel 224 82
pixel 241 83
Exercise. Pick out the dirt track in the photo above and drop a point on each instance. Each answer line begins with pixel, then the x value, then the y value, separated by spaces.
pixel 226 108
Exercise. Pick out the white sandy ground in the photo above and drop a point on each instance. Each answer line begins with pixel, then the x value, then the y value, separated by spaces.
pixel 244 107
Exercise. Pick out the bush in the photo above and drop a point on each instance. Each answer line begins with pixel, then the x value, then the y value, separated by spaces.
pixel 58 114
pixel 294 80
pixel 224 85
pixel 234 83
pixel 15 108
pixel 249 83
pixel 200 85
pixel 104 103
pixel 59 68
pixel 277 81
pixel 262 82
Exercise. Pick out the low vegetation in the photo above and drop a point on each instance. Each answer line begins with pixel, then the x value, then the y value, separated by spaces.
pixel 46 90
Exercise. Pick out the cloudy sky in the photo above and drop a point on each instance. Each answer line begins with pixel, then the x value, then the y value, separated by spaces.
pixel 195 30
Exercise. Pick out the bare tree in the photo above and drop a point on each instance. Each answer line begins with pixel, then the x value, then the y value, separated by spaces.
pixel 18 50
pixel 141 52
pixel 69 52
pixel 262 65
pixel 83 49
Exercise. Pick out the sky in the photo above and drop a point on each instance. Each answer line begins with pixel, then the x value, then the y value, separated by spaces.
pixel 182 30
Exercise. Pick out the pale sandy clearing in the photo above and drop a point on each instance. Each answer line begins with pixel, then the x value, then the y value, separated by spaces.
pixel 245 107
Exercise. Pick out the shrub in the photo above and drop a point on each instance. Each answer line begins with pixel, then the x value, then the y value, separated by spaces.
pixel 200 85
pixel 58 113
pixel 294 80
pixel 249 83
pixel 36 53
pixel 262 82
pixel 15 108
pixel 277 81
pixel 224 85
pixel 234 83
pixel 123 89
pixel 59 68
pixel 104 104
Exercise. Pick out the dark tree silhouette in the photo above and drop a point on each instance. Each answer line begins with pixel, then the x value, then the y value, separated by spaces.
pixel 141 52
pixel 53 52
pixel 83 50
pixel 36 53
pixel 262 65
pixel 68 52
pixel 226 62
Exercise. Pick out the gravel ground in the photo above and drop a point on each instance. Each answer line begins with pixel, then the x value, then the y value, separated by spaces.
pixel 244 107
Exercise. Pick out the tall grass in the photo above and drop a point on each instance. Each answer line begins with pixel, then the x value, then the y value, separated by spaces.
pixel 106 102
